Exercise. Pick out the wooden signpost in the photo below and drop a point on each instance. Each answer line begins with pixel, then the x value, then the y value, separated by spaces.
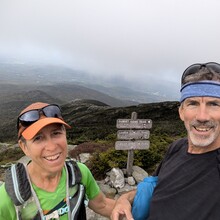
pixel 133 137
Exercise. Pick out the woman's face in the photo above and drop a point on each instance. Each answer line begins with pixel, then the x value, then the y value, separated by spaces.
pixel 48 149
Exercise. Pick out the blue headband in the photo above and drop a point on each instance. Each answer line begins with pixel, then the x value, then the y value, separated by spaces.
pixel 200 89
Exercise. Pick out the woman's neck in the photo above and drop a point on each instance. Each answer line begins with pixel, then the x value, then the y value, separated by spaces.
pixel 43 180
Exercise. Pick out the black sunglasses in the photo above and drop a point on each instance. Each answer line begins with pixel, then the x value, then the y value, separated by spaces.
pixel 29 117
pixel 196 67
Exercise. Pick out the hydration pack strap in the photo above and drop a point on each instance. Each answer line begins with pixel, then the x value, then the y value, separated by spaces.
pixel 74 172
pixel 17 184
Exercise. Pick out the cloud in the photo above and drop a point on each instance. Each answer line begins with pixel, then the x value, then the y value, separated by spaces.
pixel 136 39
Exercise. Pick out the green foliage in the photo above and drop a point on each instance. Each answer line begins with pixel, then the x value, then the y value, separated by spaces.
pixel 102 162
pixel 111 137
pixel 105 161
pixel 149 159
pixel 83 138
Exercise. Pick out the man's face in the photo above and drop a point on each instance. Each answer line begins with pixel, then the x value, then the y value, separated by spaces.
pixel 201 116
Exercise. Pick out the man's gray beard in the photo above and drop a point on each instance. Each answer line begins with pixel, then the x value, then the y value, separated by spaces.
pixel 202 141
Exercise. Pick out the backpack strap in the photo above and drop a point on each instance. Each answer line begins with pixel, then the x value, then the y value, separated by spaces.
pixel 77 204
pixel 74 172
pixel 77 199
pixel 18 187
pixel 16 184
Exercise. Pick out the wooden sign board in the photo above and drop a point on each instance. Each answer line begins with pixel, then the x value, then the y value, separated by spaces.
pixel 132 145
pixel 134 124
pixel 133 134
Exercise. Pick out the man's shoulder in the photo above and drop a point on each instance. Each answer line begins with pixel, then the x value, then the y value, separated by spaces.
pixel 177 144
pixel 180 141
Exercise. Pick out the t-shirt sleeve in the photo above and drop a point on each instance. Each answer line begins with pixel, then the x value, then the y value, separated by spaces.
pixel 92 188
pixel 7 210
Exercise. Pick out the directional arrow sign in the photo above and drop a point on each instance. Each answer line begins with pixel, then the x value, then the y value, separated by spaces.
pixel 135 124
pixel 132 145
pixel 132 134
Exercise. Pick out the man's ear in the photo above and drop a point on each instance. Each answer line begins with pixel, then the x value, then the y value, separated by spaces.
pixel 181 112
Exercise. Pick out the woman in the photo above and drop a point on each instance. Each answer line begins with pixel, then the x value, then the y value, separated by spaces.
pixel 42 137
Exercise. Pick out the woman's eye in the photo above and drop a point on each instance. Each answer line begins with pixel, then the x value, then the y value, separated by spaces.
pixel 37 138
pixel 57 132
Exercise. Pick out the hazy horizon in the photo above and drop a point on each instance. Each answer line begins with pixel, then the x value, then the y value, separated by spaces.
pixel 49 74
pixel 135 39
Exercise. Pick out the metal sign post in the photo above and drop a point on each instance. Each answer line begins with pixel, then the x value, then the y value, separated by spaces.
pixel 133 137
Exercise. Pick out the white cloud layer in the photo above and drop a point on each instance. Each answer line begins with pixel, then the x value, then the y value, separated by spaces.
pixel 131 38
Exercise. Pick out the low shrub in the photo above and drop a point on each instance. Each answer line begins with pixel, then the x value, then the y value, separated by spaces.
pixel 105 158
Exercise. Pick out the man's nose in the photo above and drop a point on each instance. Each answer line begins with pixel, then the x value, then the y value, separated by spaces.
pixel 202 114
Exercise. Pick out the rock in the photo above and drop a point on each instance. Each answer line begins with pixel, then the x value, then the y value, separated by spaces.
pixel 5 146
pixel 90 215
pixel 107 180
pixel 117 178
pixel 131 181
pixel 71 147
pixel 139 174
pixel 84 157
pixel 125 189
pixel 107 190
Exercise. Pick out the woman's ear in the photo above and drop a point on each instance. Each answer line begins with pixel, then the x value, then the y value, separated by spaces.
pixel 23 146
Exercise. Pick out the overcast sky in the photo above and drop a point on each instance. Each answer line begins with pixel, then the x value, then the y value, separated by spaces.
pixel 131 38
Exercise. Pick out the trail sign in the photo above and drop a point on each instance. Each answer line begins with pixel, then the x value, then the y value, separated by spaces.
pixel 132 134
pixel 132 145
pixel 134 124
pixel 133 137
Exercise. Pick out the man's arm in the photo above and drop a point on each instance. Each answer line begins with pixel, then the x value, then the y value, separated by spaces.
pixel 102 205
pixel 122 206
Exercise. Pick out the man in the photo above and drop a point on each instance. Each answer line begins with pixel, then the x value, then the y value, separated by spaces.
pixel 189 176
pixel 42 137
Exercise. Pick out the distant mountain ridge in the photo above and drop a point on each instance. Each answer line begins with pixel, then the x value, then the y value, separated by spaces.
pixel 92 119
pixel 61 93
pixel 37 76
pixel 22 84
